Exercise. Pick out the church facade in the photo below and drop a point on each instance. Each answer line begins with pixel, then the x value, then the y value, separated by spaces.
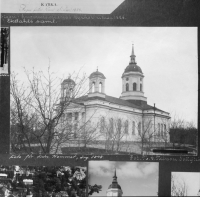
pixel 130 117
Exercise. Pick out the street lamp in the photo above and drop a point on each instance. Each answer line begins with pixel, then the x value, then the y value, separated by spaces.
pixel 28 182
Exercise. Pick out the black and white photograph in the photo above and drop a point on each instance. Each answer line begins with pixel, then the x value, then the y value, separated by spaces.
pixel 43 181
pixel 109 178
pixel 4 50
pixel 104 90
pixel 185 184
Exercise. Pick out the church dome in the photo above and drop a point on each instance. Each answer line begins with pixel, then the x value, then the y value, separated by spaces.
pixel 97 74
pixel 69 80
pixel 114 185
pixel 132 67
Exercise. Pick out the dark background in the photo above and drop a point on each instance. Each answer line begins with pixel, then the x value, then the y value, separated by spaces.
pixel 129 13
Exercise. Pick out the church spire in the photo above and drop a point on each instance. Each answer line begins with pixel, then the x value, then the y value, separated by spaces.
pixel 132 60
pixel 115 177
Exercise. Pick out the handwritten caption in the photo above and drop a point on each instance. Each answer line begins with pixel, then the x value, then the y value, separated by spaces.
pixel 53 19
pixel 74 157
pixel 48 7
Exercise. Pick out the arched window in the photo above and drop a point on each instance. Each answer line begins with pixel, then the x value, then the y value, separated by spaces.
pixel 133 128
pixel 70 92
pixel 102 124
pixel 127 87
pixel 83 116
pixel 126 127
pixel 159 129
pixel 111 125
pixel 93 86
pixel 100 87
pixel 134 86
pixel 69 117
pixel 76 116
pixel 75 130
pixel 119 127
pixel 139 128
pixel 141 87
pixel 165 130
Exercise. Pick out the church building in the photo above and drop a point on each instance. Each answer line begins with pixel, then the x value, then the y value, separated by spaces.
pixel 130 116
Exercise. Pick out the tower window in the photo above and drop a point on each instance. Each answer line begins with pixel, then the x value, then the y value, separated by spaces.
pixel 93 86
pixel 100 87
pixel 134 86
pixel 70 92
pixel 127 87
pixel 141 87
pixel 127 79
pixel 140 79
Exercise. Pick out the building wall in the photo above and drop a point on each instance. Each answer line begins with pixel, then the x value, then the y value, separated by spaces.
pixel 99 112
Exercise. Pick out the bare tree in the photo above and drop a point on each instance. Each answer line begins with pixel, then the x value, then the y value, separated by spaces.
pixel 145 133
pixel 178 187
pixel 36 109
pixel 113 131
pixel 88 133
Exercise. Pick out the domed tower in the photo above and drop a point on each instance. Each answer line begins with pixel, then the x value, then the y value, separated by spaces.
pixel 97 84
pixel 67 88
pixel 114 189
pixel 132 82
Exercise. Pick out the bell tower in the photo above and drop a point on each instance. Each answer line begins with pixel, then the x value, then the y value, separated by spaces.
pixel 114 189
pixel 133 82
pixel 97 84
pixel 67 89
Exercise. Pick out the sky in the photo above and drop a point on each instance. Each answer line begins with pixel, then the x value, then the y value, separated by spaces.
pixel 166 55
pixel 191 179
pixel 135 178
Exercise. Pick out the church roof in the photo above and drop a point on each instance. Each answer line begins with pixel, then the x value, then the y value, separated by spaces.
pixel 96 74
pixel 117 101
pixel 109 99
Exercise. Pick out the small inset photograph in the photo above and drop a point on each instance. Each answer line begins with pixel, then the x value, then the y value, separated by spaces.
pixel 4 50
pixel 185 184
pixel 43 181
pixel 106 178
